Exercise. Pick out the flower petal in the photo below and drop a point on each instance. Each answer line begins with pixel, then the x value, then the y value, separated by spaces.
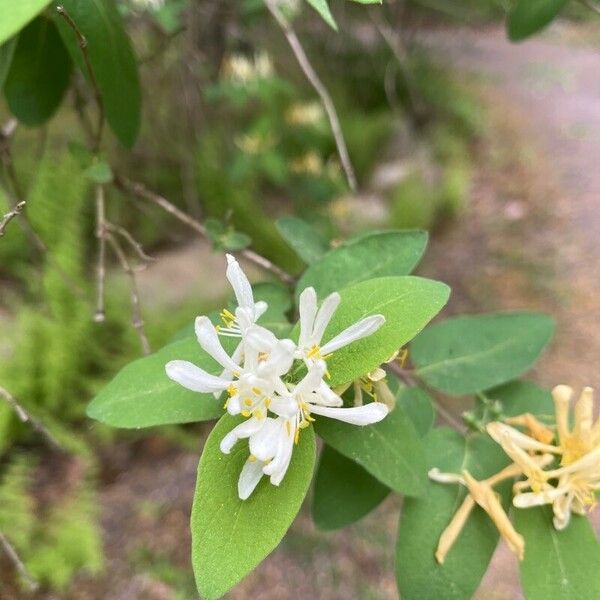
pixel 359 330
pixel 210 343
pixel 194 378
pixel 239 282
pixel 324 315
pixel 356 415
pixel 307 307
pixel 241 431
pixel 263 444
pixel 499 431
pixel 250 475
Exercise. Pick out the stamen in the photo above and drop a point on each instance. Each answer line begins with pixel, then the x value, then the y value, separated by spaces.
pixel 248 402
pixel 246 413
pixel 252 458
pixel 257 391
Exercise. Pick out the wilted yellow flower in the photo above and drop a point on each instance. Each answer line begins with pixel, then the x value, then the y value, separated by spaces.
pixel 572 486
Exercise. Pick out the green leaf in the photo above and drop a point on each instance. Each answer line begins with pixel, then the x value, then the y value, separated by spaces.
pixel 407 303
pixel 141 394
pixel 302 238
pixel 464 355
pixel 518 397
pixel 39 73
pixel 231 536
pixel 322 8
pixel 375 255
pixel 424 519
pixel 15 15
pixel 112 60
pixel 558 565
pixel 277 296
pixel 527 17
pixel 7 51
pixel 418 407
pixel 390 450
pixel 344 491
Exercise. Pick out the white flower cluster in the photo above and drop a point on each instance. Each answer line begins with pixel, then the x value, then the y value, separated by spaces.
pixel 276 384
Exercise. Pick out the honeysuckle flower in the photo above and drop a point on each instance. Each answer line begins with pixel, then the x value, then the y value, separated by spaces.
pixel 314 321
pixel 572 486
pixel 309 113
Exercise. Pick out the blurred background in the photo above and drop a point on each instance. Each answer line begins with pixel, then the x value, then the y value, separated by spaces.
pixel 491 146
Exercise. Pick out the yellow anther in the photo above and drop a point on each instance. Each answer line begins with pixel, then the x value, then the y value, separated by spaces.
pixel 252 458
pixel 248 402
pixel 257 391
pixel 402 356
pixel 217 328
pixel 232 390
pixel 288 428
pixel 304 424
pixel 296 436
pixel 268 402
pixel 262 356
pixel 246 413
pixel 226 404
pixel 314 352
pixel 258 413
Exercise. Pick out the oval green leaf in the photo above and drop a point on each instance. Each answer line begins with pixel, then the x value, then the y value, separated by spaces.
pixel 344 491
pixel 424 519
pixel 112 60
pixel 527 17
pixel 302 238
pixel 390 450
pixel 39 73
pixel 141 394
pixel 558 565
pixel 231 536
pixel 374 255
pixel 465 355
pixel 15 15
pixel 407 303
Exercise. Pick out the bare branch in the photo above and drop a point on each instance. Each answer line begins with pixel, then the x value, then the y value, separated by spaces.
pixel 318 86
pixel 25 417
pixel 136 308
pixel 83 46
pixel 140 191
pixel 9 216
pixel 10 551
pixel 100 314
pixel 135 245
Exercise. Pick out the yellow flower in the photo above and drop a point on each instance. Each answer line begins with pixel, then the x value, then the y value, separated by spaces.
pixel 572 486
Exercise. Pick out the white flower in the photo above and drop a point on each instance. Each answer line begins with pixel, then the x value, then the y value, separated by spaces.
pixel 313 323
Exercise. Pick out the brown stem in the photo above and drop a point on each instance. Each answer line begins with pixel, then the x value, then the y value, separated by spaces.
pixel 135 245
pixel 313 78
pixel 10 551
pixel 100 314
pixel 9 216
pixel 25 417
pixel 83 46
pixel 136 307
pixel 140 191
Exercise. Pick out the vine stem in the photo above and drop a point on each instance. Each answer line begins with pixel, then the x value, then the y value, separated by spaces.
pixel 83 46
pixel 25 417
pixel 100 314
pixel 10 551
pixel 319 87
pixel 140 191
pixel 411 380
pixel 9 216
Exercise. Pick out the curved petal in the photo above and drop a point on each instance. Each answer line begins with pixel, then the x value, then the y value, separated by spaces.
pixel 194 378
pixel 307 308
pixel 356 415
pixel 327 397
pixel 260 308
pixel 210 343
pixel 500 431
pixel 250 475
pixel 312 380
pixel 324 315
pixel 239 282
pixel 263 444
pixel 362 329
pixel 241 431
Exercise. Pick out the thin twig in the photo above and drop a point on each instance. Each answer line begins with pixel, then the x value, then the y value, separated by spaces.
pixel 140 191
pixel 83 46
pixel 100 314
pixel 9 216
pixel 25 417
pixel 411 380
pixel 136 308
pixel 135 245
pixel 10 551
pixel 313 78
